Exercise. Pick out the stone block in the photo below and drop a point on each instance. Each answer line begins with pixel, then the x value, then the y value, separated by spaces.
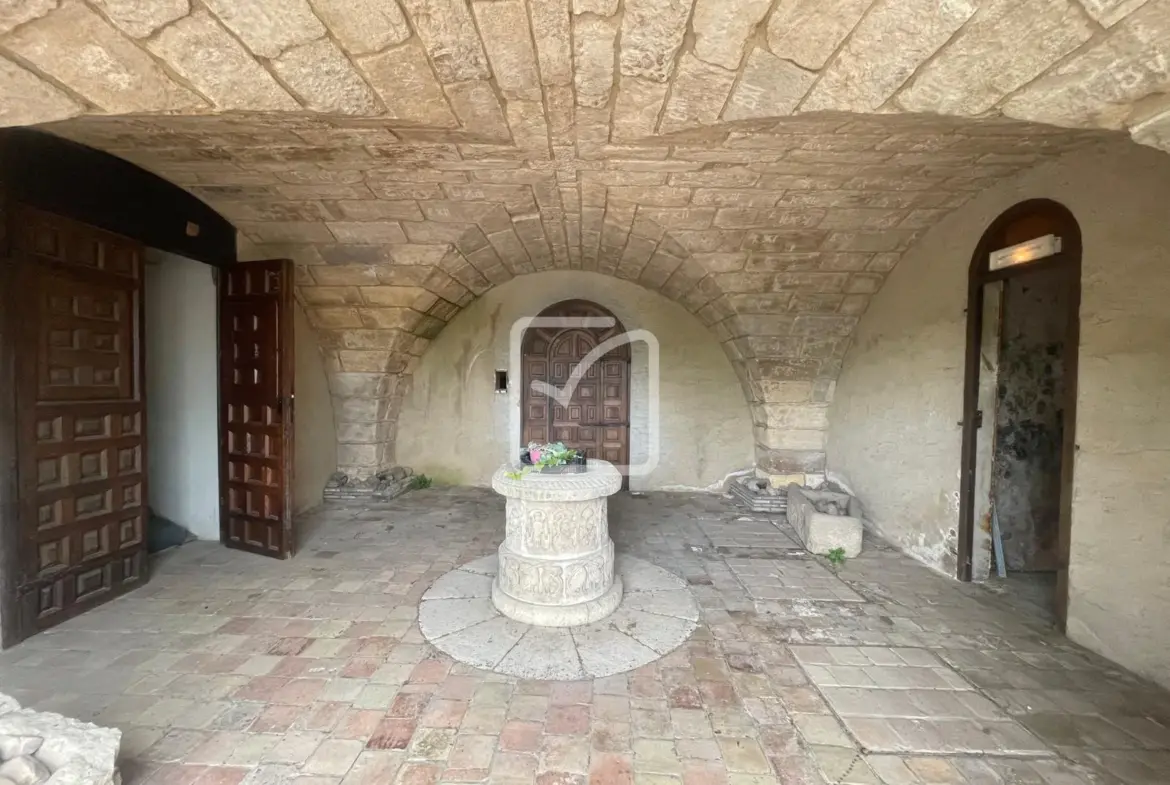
pixel 593 42
pixel 324 79
pixel 203 52
pixel 775 461
pixel 448 32
pixel 140 19
pixel 269 27
pixel 807 32
pixel 85 53
pixel 407 86
pixel 652 33
pixel 821 532
pixel 26 99
pixel 723 26
pixel 364 26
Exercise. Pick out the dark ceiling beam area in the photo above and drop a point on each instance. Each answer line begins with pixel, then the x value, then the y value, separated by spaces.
pixel 87 185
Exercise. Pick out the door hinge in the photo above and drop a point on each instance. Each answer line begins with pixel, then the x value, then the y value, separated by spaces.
pixel 978 420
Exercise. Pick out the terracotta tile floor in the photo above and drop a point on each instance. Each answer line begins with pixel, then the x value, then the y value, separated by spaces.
pixel 229 668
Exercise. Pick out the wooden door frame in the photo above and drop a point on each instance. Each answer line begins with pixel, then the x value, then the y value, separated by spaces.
pixel 10 524
pixel 629 359
pixel 978 277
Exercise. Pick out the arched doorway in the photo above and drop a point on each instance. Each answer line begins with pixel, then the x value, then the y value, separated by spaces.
pixel 1019 403
pixel 590 407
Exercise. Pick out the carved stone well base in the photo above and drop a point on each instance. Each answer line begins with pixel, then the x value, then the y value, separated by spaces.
pixel 556 561
pixel 656 615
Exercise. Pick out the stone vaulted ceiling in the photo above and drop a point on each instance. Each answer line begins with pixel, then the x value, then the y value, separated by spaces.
pixel 764 163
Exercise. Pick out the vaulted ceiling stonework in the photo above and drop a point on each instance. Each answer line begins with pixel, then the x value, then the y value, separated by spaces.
pixel 764 163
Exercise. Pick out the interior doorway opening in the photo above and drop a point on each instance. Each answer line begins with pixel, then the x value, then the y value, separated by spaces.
pixel 1020 407
pixel 182 395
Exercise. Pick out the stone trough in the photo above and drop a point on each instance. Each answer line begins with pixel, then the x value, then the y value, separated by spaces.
pixel 41 748
pixel 825 520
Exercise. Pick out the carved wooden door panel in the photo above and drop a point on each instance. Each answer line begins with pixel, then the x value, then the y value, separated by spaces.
pixel 256 407
pixel 595 417
pixel 74 320
pixel 577 424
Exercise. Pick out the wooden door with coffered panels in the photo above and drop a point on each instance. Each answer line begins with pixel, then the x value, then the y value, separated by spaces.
pixel 256 407
pixel 73 327
pixel 596 416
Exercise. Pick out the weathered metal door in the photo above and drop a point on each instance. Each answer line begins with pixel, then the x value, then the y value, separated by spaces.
pixel 256 407
pixel 74 329
pixel 595 412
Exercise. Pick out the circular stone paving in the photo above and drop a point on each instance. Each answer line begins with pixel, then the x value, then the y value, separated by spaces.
pixel 657 614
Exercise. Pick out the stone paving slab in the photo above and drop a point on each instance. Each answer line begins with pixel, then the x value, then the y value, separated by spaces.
pixel 747 532
pixel 902 700
pixel 791 579
pixel 227 668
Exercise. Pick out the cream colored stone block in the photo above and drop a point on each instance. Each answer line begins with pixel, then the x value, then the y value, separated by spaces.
pixel 503 25
pixel 1110 12
pixel 652 33
pixel 552 31
pixel 140 19
pixel 807 32
pixel 768 87
pixel 822 533
pixel 698 95
pixel 404 80
pixel 325 79
pixel 364 26
pixel 593 43
pixel 204 53
pixel 477 107
pixel 448 33
pixel 984 61
pixel 269 27
pixel 639 103
pixel 26 99
pixel 1097 86
pixel 17 12
pixel 81 50
pixel 722 27
pixel 900 36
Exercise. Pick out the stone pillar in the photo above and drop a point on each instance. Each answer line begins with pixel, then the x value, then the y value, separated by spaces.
pixel 556 561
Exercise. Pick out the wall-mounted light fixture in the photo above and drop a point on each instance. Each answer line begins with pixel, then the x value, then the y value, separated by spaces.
pixel 1022 253
pixel 501 381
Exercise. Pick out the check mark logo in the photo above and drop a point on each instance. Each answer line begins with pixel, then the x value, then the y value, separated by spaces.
pixel 564 395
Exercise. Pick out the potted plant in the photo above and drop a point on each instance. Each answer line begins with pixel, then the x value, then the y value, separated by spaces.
pixel 554 458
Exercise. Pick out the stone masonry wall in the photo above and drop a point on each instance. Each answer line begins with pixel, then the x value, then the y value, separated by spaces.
pixel 763 164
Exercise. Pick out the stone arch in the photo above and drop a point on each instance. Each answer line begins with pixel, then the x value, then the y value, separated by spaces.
pixel 452 409
pixel 791 152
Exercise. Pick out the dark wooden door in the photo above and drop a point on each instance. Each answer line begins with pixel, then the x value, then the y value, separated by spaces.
pixel 74 330
pixel 256 407
pixel 594 414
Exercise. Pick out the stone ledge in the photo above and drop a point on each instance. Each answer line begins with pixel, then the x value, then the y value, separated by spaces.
pixel 821 532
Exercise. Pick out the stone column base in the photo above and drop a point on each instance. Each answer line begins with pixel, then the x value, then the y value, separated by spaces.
pixel 558 615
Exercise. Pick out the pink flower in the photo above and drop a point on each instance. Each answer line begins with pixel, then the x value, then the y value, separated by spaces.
pixel 534 455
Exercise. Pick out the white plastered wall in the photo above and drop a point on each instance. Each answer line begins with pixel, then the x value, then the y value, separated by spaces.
pixel 182 392
pixel 894 432
pixel 314 432
pixel 454 427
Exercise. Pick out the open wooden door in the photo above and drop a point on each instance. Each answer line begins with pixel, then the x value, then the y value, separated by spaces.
pixel 74 534
pixel 256 407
